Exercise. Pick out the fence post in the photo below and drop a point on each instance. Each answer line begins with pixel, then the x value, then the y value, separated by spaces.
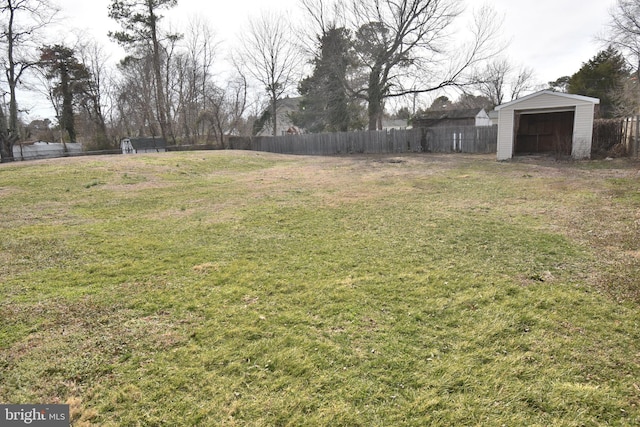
pixel 634 149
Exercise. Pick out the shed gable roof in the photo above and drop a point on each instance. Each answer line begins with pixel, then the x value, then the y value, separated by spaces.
pixel 569 98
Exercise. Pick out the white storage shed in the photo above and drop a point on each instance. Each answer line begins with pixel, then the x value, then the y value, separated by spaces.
pixel 546 122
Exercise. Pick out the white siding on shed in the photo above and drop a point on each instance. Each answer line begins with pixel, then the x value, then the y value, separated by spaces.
pixel 582 132
pixel 543 102
pixel 505 136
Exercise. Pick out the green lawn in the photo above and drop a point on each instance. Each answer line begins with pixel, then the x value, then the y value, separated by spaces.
pixel 252 289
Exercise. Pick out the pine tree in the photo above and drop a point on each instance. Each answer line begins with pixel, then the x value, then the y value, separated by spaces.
pixel 326 106
pixel 601 77
pixel 70 76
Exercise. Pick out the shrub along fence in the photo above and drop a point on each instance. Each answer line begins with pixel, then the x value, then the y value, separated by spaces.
pixel 465 139
pixel 608 136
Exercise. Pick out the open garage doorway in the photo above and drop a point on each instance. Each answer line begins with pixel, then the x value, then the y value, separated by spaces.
pixel 544 132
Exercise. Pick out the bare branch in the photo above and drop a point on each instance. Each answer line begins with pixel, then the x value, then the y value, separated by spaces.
pixel 624 31
pixel 404 47
pixel 21 22
pixel 270 57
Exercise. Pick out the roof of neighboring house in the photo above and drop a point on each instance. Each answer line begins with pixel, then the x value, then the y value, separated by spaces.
pixel 289 103
pixel 148 143
pixel 569 97
pixel 430 118
pixel 469 113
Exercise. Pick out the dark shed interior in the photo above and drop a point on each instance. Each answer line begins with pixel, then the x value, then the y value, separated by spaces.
pixel 550 132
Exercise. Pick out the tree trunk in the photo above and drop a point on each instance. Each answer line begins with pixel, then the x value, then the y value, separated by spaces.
pixel 274 111
pixel 67 105
pixel 6 140
pixel 634 149
pixel 6 148
pixel 160 99
pixel 8 131
pixel 375 98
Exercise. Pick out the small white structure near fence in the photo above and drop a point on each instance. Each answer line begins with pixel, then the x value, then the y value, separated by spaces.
pixel 143 145
pixel 45 150
pixel 546 121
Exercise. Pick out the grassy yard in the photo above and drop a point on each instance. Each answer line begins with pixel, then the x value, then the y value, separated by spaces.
pixel 251 289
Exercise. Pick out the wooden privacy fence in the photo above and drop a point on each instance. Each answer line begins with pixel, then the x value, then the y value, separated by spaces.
pixel 631 135
pixel 466 139
pixel 462 139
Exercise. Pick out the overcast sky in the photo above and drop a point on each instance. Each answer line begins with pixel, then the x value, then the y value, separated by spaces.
pixel 553 37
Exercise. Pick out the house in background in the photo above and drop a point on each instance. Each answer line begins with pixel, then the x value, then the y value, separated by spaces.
pixel 388 124
pixel 466 117
pixel 143 145
pixel 284 124
pixel 546 122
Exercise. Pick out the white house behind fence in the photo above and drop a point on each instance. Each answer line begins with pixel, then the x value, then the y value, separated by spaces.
pixel 546 121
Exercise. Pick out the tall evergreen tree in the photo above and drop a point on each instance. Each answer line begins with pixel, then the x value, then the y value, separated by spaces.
pixel 601 77
pixel 326 106
pixel 69 79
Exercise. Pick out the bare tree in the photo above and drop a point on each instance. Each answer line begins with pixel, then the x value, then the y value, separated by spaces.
pixel 324 15
pixel 271 58
pixel 97 98
pixel 227 106
pixel 202 47
pixel 501 80
pixel 21 22
pixel 624 31
pixel 624 35
pixel 187 101
pixel 135 96
pixel 193 70
pixel 404 47
pixel 492 82
pixel 139 21
pixel 523 81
